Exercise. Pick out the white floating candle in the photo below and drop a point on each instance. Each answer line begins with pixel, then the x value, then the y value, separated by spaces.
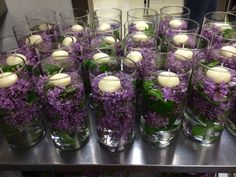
pixel 7 79
pixel 228 51
pixel 67 41
pixel 44 27
pixel 223 26
pixel 184 54
pixel 180 39
pixel 60 79
pixel 135 56
pixel 33 39
pixel 104 27
pixel 77 28
pixel 60 55
pixel 168 79
pixel 219 74
pixel 175 23
pixel 141 25
pixel 15 59
pixel 140 37
pixel 109 84
pixel 109 40
pixel 101 58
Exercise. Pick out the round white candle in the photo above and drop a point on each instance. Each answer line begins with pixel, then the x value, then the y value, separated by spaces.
pixel 180 39
pixel 104 27
pixel 223 26
pixel 228 51
pixel 184 54
pixel 7 79
pixel 77 28
pixel 67 41
pixel 33 39
pixel 44 27
pixel 109 40
pixel 109 84
pixel 140 37
pixel 135 56
pixel 175 23
pixel 60 55
pixel 101 58
pixel 15 59
pixel 168 79
pixel 60 79
pixel 141 25
pixel 219 74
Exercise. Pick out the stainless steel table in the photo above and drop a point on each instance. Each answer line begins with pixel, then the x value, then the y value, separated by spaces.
pixel 182 156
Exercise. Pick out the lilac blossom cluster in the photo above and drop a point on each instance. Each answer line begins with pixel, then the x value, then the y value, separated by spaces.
pixel 150 43
pixel 66 111
pixel 115 112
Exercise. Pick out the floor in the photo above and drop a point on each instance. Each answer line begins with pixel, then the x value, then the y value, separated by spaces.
pixel 124 5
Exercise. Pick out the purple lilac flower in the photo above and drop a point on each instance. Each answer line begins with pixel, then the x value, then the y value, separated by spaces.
pixel 169 31
pixel 13 101
pixel 155 120
pixel 116 111
pixel 65 113
pixel 150 43
pixel 77 34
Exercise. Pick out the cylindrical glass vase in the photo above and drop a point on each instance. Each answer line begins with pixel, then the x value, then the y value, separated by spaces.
pixel 139 26
pixel 164 95
pixel 62 92
pixel 209 102
pixel 21 121
pixel 113 96
pixel 108 13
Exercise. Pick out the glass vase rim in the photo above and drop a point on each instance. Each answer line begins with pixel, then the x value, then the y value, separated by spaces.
pixel 182 7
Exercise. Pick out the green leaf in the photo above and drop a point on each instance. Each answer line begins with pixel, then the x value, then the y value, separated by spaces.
pixel 52 69
pixel 103 68
pixel 66 138
pixel 87 63
pixel 213 63
pixel 116 34
pixel 7 68
pixel 32 97
pixel 150 30
pixel 67 92
pixel 150 130
pixel 156 93
pixel 228 33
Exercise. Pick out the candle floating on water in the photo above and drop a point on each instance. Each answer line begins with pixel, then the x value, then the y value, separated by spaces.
pixel 109 40
pixel 101 58
pixel 60 55
pixel 104 27
pixel 15 59
pixel 45 26
pixel 60 79
pixel 109 84
pixel 140 37
pixel 134 56
pixel 219 74
pixel 180 39
pixel 77 28
pixel 7 79
pixel 184 54
pixel 175 23
pixel 141 25
pixel 168 79
pixel 228 51
pixel 67 41
pixel 223 26
pixel 33 39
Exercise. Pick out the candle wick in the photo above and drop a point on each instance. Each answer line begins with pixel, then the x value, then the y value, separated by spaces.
pixel 1 70
pixel 122 65
pixel 61 70
pixel 106 73
pixel 76 22
pixel 222 65
pixel 169 72
pixel 59 46
pixel 99 50
pixel 31 33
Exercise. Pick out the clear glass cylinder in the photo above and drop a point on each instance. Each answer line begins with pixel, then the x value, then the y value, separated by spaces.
pixel 143 14
pixel 20 110
pixel 62 92
pixel 75 22
pixel 209 102
pixel 177 26
pixel 171 11
pixel 108 13
pixel 113 96
pixel 42 20
pixel 193 47
pixel 164 95
pixel 231 121
pixel 218 24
